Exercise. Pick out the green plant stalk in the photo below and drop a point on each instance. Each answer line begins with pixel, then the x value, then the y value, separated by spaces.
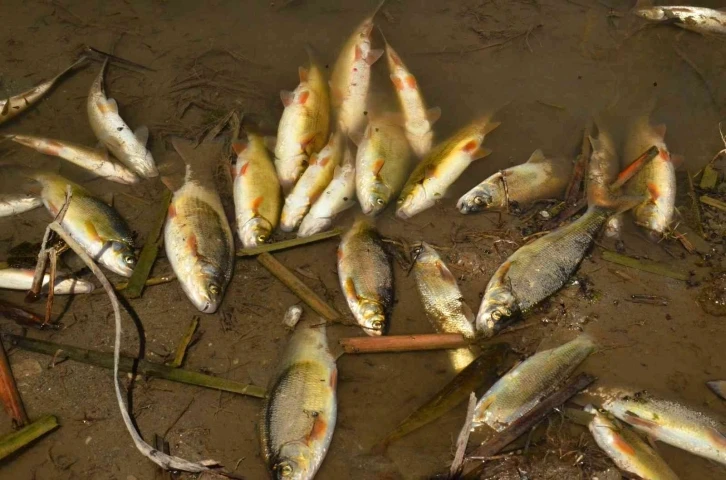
pixel 643 265
pixel 285 244
pixel 13 442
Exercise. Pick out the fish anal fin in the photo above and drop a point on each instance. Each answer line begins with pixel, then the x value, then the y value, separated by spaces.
pixel 490 127
pixel 373 56
pixel 433 114
pixel 111 105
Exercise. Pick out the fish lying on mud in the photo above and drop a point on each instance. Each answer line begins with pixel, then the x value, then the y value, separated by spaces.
pixel 442 166
pixel 697 19
pixel 520 389
pixel 129 147
pixel 603 170
pixel 627 449
pixel 256 191
pixel 299 412
pixel 539 178
pixel 197 237
pixel 22 279
pixel 305 123
pixel 366 277
pixel 16 203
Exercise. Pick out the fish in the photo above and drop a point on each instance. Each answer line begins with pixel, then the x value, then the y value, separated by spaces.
pixel 129 147
pixel 670 422
pixel 520 389
pixel 22 279
pixel 429 181
pixel 17 104
pixel 604 170
pixel 305 123
pixel 351 77
pixel 718 387
pixel 418 119
pixel 197 236
pixel 256 191
pixel 338 196
pixel 383 162
pixel 366 277
pixel 312 183
pixel 16 203
pixel 627 449
pixel 696 19
pixel 94 160
pixel 539 178
pixel 300 410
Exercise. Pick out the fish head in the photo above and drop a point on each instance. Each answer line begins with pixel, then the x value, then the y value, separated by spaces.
pixel 412 202
pixel 497 309
pixel 293 212
pixel 424 253
pixel 489 194
pixel 376 198
pixel 207 287
pixel 652 219
pixel 373 317
pixel 651 13
pixel 119 257
pixel 255 231
pixel 294 462
pixel 312 225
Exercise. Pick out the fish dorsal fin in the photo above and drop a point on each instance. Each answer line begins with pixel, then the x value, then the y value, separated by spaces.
pixel 287 97
pixel 373 56
pixel 112 105
pixel 142 134
pixel 239 146
pixel 303 73
pixel 537 156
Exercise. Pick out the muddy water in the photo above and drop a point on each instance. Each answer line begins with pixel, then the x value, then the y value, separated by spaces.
pixel 559 62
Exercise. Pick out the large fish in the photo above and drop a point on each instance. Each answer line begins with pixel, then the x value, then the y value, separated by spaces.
pixel 113 132
pixel 366 277
pixel 15 203
pixel 256 190
pixel 442 166
pixel 305 123
pixel 22 279
pixel 520 389
pixel 93 160
pixel 383 162
pixel 299 412
pixel 603 171
pixel 629 452
pixel 197 237
pixel 539 178
pixel 697 19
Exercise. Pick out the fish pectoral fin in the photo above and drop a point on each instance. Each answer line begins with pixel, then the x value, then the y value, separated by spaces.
pixel 653 191
pixel 255 206
pixel 373 56
pixel 193 245
pixel 317 430
pixel 641 422
pixel 433 115
pixel 378 166
pixel 538 155
pixel 239 146
pixel 91 231
pixel 142 134
pixel 445 272
pixel 307 141
pixel 349 288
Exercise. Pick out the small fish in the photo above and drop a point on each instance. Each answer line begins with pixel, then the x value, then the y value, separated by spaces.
pixel 629 452
pixel 299 412
pixel 15 105
pixel 382 163
pixel 604 170
pixel 419 120
pixel 718 387
pixel 366 277
pixel 93 160
pixel 113 132
pixel 15 203
pixel 337 197
pixel 305 123
pixel 442 166
pixel 539 178
pixel 520 389
pixel 197 237
pixel 312 183
pixel 256 190
pixel 697 19
pixel 22 279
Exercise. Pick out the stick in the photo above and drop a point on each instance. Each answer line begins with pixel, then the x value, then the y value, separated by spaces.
pixel 294 242
pixel 463 439
pixel 694 205
pixel 150 282
pixel 118 60
pixel 565 215
pixel 403 343
pixel 53 257
pixel 23 317
pixel 712 202
pixel 9 394
pixel 649 299
pixel 181 349
pixel 13 442
pixel 151 249
pixel 573 189
pixel 132 364
pixel 298 287
pixel 634 167
pixel 643 265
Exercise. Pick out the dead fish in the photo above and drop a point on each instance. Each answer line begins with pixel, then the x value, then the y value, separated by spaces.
pixel 418 120
pixel 305 123
pixel 718 387
pixel 197 237
pixel 627 449
pixel 697 19
pixel 442 166
pixel 299 412
pixel 604 170
pixel 312 183
pixel 351 76
pixel 15 203
pixel 256 190
pixel 15 105
pixel 22 279
pixel 366 277
pixel 383 162
pixel 539 178
pixel 520 389
pixel 93 160
pixel 338 196
pixel 113 132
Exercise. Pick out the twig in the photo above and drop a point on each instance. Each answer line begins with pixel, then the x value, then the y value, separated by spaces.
pixel 403 343
pixel 712 202
pixel 118 60
pixel 649 299
pixel 463 439
pixel 634 167
pixel 13 442
pixel 181 349
pixel 23 317
pixel 578 174
pixel 643 265
pixel 149 283
pixel 53 257
pixel 694 206
pixel 285 244
pixel 9 394
pixel 565 215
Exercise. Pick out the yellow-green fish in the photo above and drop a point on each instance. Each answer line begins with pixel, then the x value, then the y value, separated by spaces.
pixel 603 171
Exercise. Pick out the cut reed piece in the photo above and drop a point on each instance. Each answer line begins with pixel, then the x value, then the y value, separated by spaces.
pixel 9 394
pixel 634 167
pixel 149 282
pixel 13 442
pixel 644 265
pixel 181 349
pixel 712 202
pixel 285 244
pixel 403 343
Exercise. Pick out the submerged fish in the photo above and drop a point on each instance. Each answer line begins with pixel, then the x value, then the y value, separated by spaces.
pixel 197 237
pixel 366 277
pixel 257 198
pixel 718 387
pixel 93 160
pixel 382 163
pixel 111 130
pixel 305 123
pixel 442 166
pixel 629 452
pixel 520 389
pixel 22 279
pixel 539 178
pixel 312 183
pixel 299 412
pixel 697 19
pixel 15 203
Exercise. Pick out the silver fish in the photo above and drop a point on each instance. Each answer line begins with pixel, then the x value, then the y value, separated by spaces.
pixel 22 279
pixel 15 203
pixel 697 19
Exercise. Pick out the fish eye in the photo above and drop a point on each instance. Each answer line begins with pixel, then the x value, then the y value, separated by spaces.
pixel 479 200
pixel 214 289
pixel 377 325
pixel 285 469
pixel 507 312
pixel 262 238
pixel 496 315
pixel 380 201
pixel 129 260
pixel 417 250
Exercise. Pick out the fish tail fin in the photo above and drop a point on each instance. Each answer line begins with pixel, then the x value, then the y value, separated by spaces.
pixel 200 160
